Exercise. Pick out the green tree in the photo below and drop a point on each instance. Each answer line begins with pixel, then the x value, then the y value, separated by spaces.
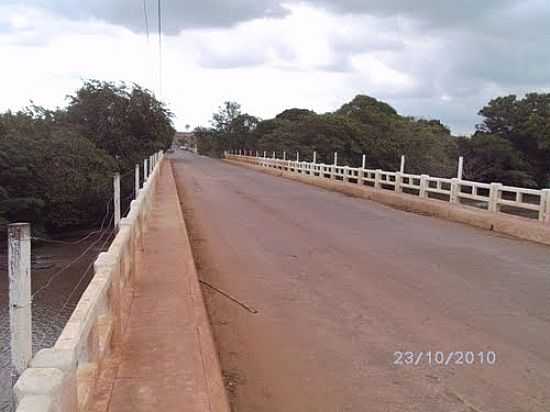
pixel 491 158
pixel 128 122
pixel 56 167
pixel 50 174
pixel 222 120
pixel 525 123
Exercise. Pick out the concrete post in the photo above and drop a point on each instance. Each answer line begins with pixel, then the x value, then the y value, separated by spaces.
pixel 335 158
pixel 378 179
pixel 145 169
pixel 136 182
pixel 544 211
pixel 314 157
pixel 284 155
pixel 398 181
pixel 424 186
pixel 361 173
pixel 273 155
pixel 346 174
pixel 402 166
pixel 494 192
pixel 460 167
pixel 19 273
pixel 265 154
pixel 116 198
pixel 455 186
pixel 297 156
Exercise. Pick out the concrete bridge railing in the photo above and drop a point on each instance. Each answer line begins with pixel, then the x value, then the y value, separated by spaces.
pixel 62 378
pixel 520 212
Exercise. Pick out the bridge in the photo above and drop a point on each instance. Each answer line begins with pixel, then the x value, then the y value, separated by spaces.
pixel 323 294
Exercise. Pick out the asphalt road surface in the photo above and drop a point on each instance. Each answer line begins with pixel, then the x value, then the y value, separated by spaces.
pixel 341 284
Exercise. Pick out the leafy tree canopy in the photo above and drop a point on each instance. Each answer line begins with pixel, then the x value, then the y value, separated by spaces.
pixel 512 144
pixel 56 166
pixel 525 123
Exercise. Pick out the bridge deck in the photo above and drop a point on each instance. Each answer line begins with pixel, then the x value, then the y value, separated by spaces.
pixel 167 361
pixel 340 284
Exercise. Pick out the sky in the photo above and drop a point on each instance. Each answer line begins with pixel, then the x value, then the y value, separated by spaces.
pixel 432 59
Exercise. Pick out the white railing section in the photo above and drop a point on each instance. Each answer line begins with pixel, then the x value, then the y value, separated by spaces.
pixel 494 197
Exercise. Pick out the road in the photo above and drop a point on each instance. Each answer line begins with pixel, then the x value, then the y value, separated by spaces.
pixel 341 284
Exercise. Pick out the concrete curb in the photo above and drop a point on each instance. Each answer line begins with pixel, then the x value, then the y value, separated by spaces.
pixel 509 225
pixel 212 367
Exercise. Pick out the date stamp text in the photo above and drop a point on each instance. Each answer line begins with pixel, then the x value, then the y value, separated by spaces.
pixel 438 358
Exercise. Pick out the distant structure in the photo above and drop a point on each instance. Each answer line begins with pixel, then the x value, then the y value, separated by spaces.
pixel 185 138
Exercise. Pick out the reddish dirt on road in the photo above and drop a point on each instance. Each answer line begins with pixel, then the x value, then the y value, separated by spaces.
pixel 340 284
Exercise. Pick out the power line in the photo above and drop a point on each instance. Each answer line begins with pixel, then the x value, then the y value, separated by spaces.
pixel 160 47
pixel 146 19
pixel 106 218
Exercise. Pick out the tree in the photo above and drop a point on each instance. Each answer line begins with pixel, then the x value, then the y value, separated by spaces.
pixel 525 123
pixel 51 175
pixel 128 122
pixel 491 158
pixel 231 130
pixel 56 167
pixel 223 119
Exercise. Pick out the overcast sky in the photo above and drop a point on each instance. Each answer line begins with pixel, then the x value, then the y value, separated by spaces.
pixel 428 58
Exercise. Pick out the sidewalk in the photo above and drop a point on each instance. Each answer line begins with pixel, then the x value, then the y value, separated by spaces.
pixel 167 360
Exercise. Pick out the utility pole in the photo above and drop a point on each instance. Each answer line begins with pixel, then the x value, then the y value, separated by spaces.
pixel 19 272
pixel 136 181
pixel 116 197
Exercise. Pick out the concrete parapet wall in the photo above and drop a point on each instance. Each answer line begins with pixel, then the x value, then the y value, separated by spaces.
pixel 510 225
pixel 62 378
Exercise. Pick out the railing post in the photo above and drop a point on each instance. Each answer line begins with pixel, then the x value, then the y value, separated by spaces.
pixel 297 156
pixel 460 167
pixel 378 179
pixel 136 181
pixel 398 181
pixel 361 173
pixel 424 186
pixel 116 199
pixel 284 155
pixel 346 174
pixel 273 155
pixel 314 157
pixel 494 192
pixel 265 154
pixel 544 211
pixel 455 187
pixel 145 169
pixel 19 273
pixel 402 166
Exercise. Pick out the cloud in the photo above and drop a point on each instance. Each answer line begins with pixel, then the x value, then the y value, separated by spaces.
pixel 432 13
pixel 177 15
pixel 427 58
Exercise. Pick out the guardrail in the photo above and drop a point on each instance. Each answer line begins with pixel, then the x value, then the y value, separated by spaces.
pixel 493 197
pixel 62 378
